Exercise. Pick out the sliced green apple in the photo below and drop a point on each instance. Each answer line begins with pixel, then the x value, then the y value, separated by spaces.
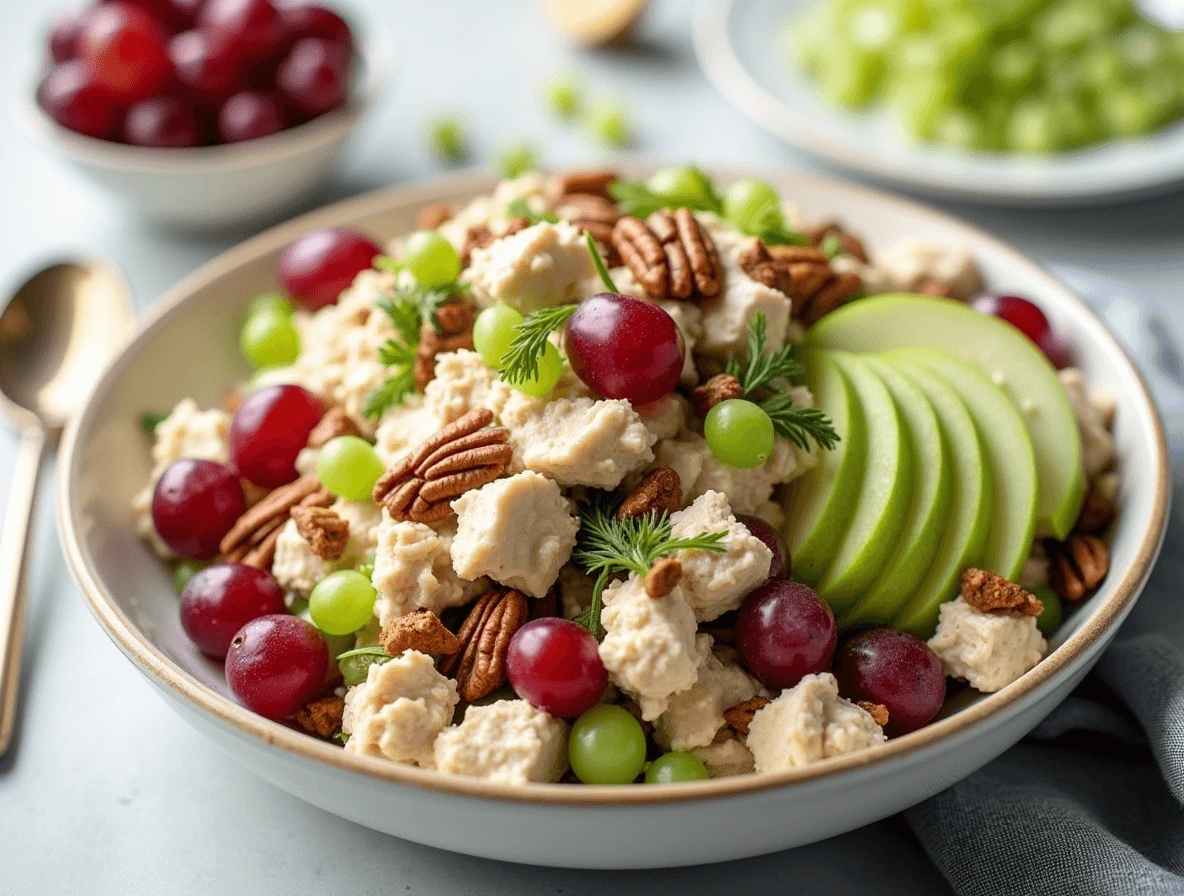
pixel 1009 452
pixel 1008 358
pixel 884 493
pixel 818 505
pixel 971 504
pixel 929 503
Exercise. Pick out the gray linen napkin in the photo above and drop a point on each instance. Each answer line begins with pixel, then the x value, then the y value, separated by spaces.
pixel 1093 801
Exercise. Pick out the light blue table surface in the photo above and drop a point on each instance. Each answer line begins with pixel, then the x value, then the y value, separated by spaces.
pixel 107 791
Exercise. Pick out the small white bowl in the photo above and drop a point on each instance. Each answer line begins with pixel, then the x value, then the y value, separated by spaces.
pixel 188 346
pixel 211 187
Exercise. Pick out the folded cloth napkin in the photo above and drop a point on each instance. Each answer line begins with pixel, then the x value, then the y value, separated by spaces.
pixel 1093 801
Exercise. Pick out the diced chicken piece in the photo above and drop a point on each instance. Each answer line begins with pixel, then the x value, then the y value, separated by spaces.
pixel 1094 415
pixel 509 742
pixel 695 716
pixel 298 569
pixel 987 650
pixel 538 267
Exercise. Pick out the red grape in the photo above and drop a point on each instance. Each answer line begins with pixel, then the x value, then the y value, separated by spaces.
pixel 195 503
pixel 780 567
pixel 1029 320
pixel 317 267
pixel 897 670
pixel 555 666
pixel 183 13
pixel 276 664
pixel 314 76
pixel 252 29
pixel 219 600
pixel 269 429
pixel 63 37
pixel 161 121
pixel 310 20
pixel 1055 350
pixel 209 73
pixel 127 48
pixel 625 347
pixel 75 100
pixel 249 115
pixel 784 631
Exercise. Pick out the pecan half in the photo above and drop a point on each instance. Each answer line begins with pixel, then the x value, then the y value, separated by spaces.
pixel 336 422
pixel 422 631
pixel 878 711
pixel 719 388
pixel 432 216
pixel 803 273
pixel 662 578
pixel 593 181
pixel 596 215
pixel 252 538
pixel 671 255
pixel 326 532
pixel 739 717
pixel 850 245
pixel 642 252
pixel 466 454
pixel 479 667
pixel 1096 513
pixel 660 489
pixel 450 331
pixel 322 716
pixel 1078 565
pixel 991 593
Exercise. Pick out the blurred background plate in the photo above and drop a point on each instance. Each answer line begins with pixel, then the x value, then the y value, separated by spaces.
pixel 740 47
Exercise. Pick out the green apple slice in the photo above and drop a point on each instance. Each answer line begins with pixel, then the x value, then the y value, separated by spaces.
pixel 818 504
pixel 1009 452
pixel 929 503
pixel 971 504
pixel 1007 357
pixel 884 494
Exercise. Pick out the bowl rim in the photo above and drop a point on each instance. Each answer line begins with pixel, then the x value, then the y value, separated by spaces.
pixel 168 675
pixel 373 47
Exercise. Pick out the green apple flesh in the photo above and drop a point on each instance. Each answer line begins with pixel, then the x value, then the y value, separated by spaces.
pixel 929 503
pixel 1009 452
pixel 819 503
pixel 970 511
pixel 885 492
pixel 1007 357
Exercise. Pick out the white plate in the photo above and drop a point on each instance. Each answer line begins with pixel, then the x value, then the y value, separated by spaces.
pixel 739 44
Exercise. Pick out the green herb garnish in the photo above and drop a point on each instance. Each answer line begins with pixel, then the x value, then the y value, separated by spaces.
pixel 636 197
pixel 149 420
pixel 340 737
pixel 606 546
pixel 598 263
pixel 520 363
pixel 768 224
pixel 355 664
pixel 766 379
pixel 519 207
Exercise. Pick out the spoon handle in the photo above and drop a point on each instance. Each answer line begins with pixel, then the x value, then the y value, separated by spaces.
pixel 14 556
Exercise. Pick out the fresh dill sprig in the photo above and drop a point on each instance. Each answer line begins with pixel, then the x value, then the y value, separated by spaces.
pixel 520 364
pixel 149 420
pixel 598 263
pixel 519 207
pixel 635 197
pixel 408 307
pixel 766 378
pixel 606 546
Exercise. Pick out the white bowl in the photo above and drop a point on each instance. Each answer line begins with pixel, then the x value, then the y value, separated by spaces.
pixel 188 346
pixel 211 187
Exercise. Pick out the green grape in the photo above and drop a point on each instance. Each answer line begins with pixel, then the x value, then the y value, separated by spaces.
pixel 686 186
pixel 1049 619
pixel 1143 47
pixel 1127 111
pixel 269 339
pixel 562 97
pixel 550 369
pixel 746 200
pixel 674 768
pixel 610 124
pixel 493 331
pixel 349 466
pixel 185 571
pixel 853 79
pixel 739 433
pixel 299 607
pixel 607 746
pixel 1070 25
pixel 516 160
pixel 270 301
pixel 342 602
pixel 355 669
pixel 1031 128
pixel 430 258
pixel 446 137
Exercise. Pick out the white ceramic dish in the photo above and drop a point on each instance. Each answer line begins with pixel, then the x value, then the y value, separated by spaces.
pixel 739 46
pixel 221 186
pixel 188 346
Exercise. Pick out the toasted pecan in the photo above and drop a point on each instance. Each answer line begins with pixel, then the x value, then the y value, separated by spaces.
pixel 1078 565
pixel 659 490
pixel 991 593
pixel 430 217
pixel 593 181
pixel 326 532
pixel 336 422
pixel 739 717
pixel 422 631
pixel 721 387
pixel 878 711
pixel 322 716
pixel 662 578
pixel 479 667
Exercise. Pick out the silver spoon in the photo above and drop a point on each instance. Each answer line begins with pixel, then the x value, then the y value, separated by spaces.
pixel 56 334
